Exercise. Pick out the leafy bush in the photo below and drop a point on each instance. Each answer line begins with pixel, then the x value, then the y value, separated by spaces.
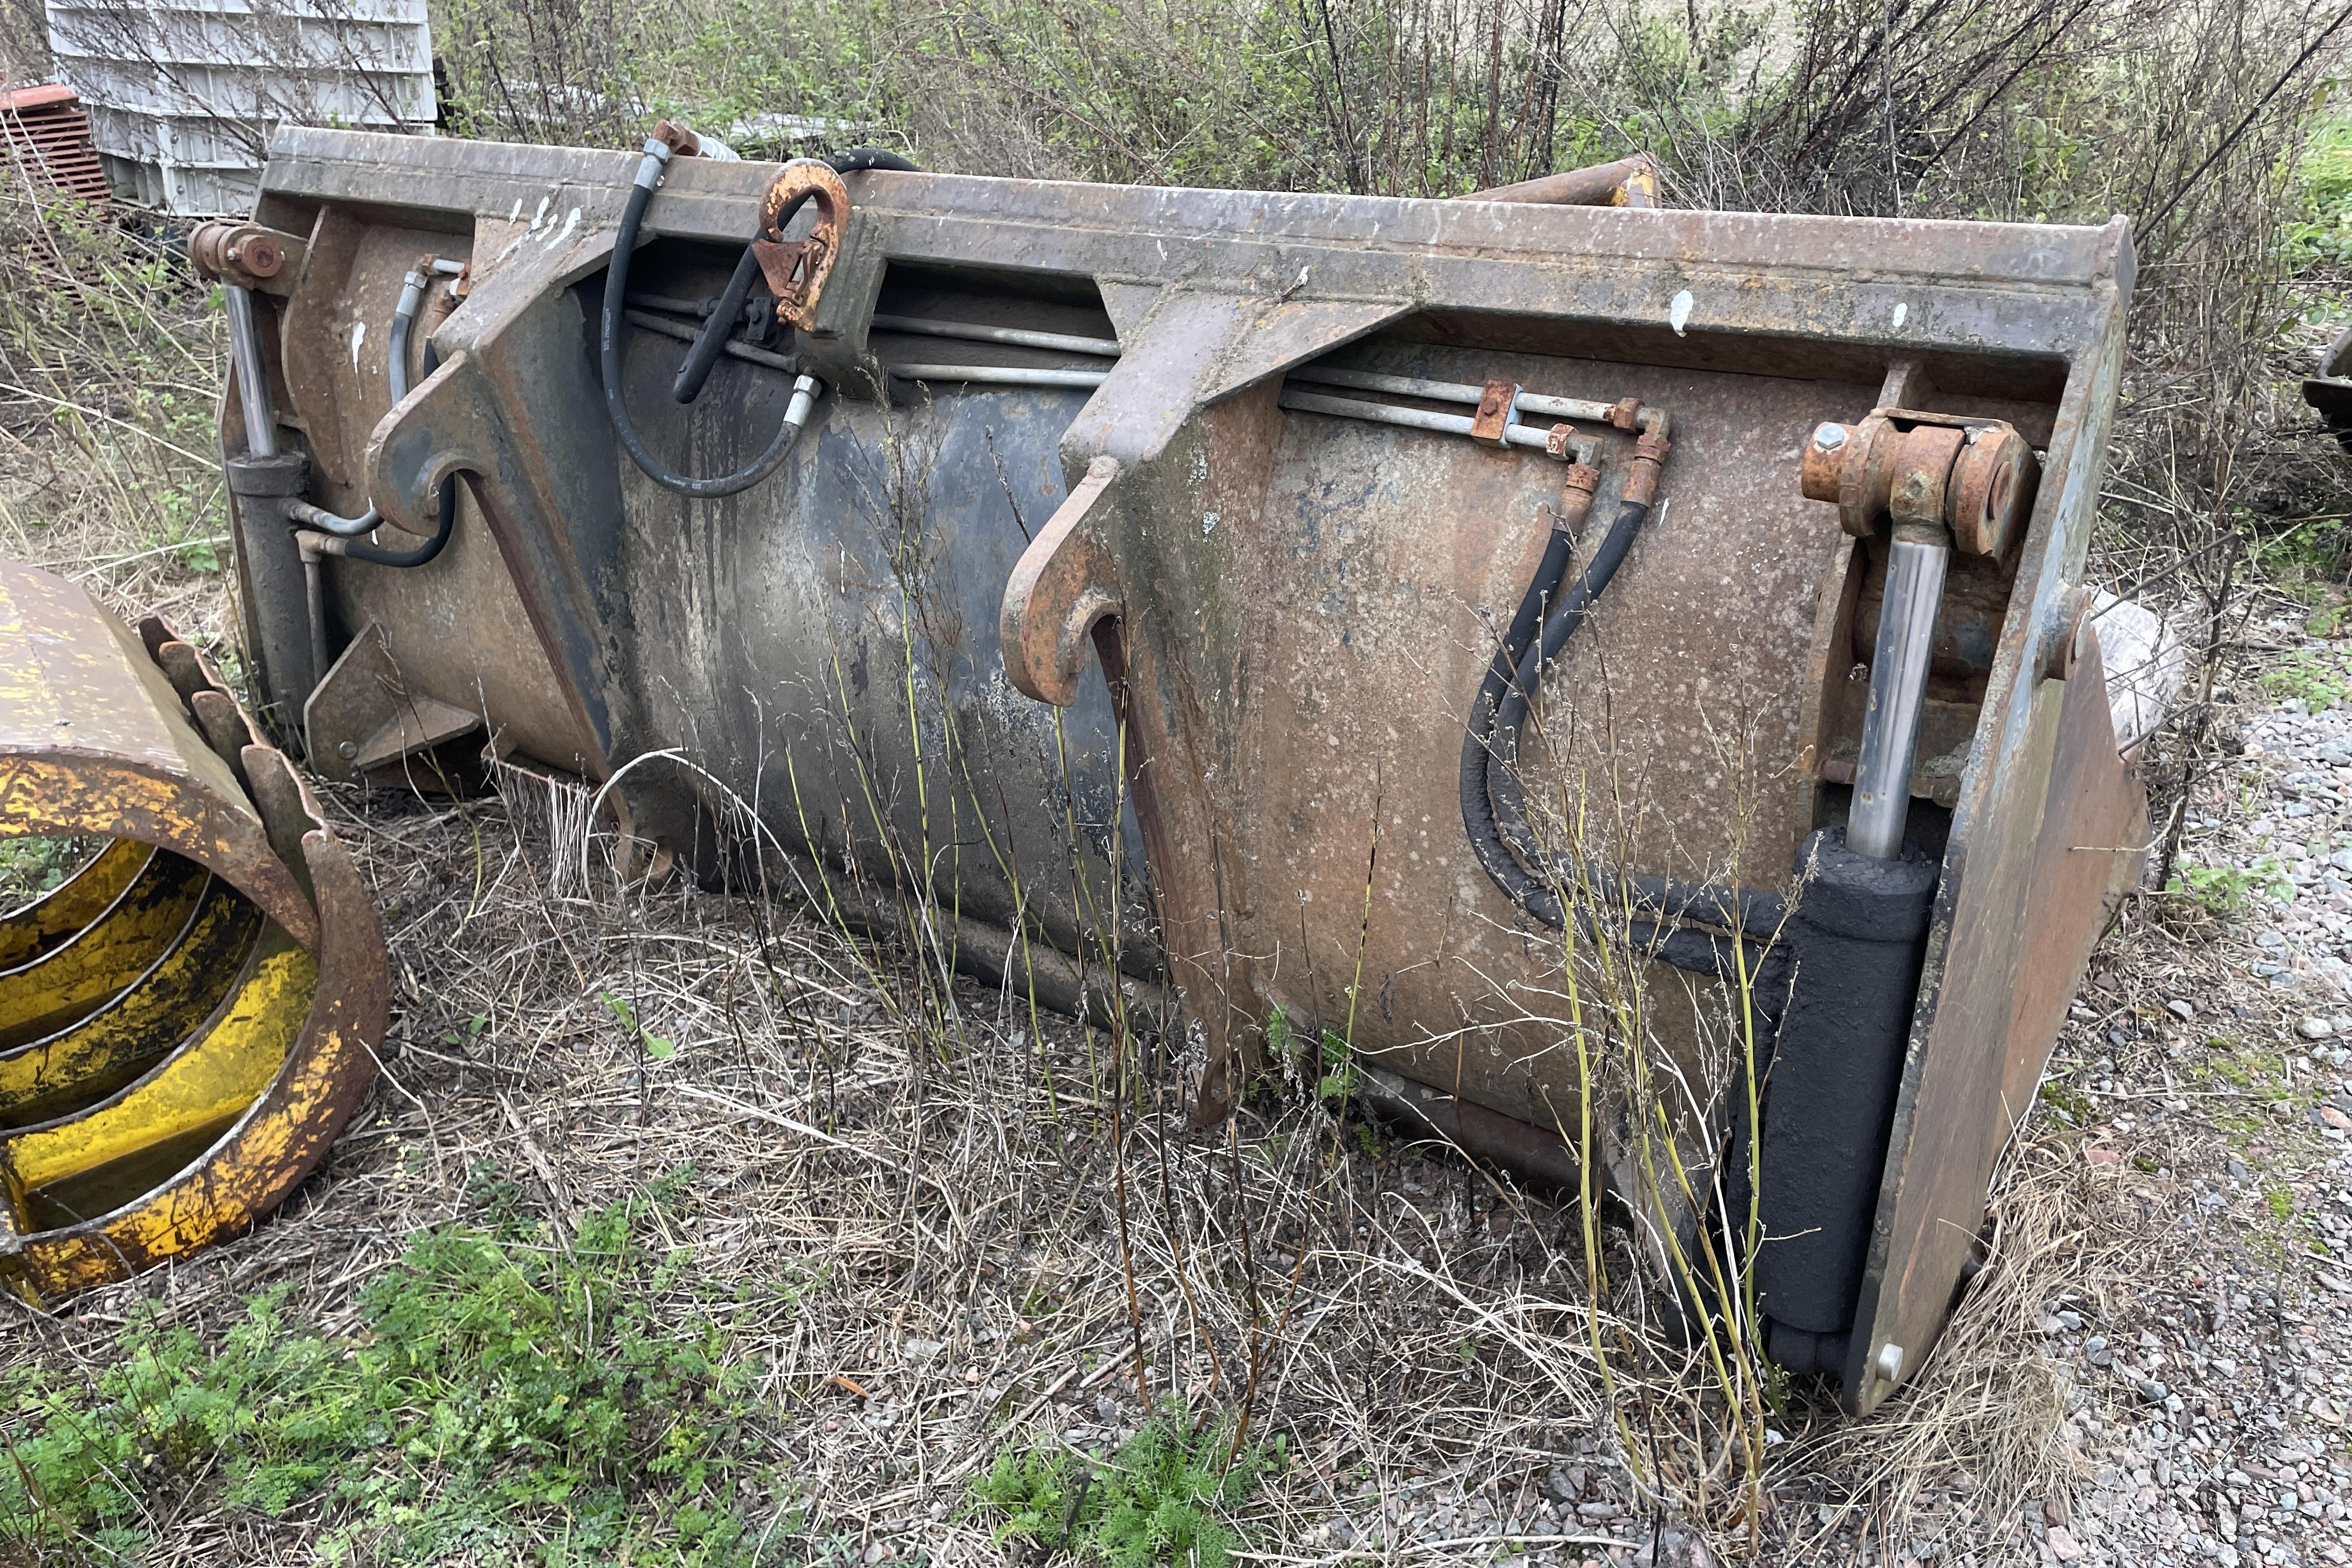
pixel 2320 232
pixel 506 1398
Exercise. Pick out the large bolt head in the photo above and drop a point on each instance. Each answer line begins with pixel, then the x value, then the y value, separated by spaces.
pixel 1824 454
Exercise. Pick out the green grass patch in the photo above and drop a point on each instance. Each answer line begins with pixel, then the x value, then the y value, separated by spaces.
pixel 2316 680
pixel 504 1399
pixel 1166 1497
pixel 2068 1104
pixel 32 867
pixel 2225 890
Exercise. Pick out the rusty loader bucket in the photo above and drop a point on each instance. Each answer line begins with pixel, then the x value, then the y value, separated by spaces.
pixel 1374 614
pixel 188 1018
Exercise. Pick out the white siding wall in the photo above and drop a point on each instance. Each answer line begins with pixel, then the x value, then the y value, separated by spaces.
pixel 182 94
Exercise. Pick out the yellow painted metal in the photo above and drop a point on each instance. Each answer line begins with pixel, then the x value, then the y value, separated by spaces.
pixel 165 1007
pixel 65 910
pixel 214 1184
pixel 69 982
pixel 95 739
pixel 204 1087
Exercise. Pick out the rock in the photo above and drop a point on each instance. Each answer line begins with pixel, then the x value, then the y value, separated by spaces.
pixel 922 1350
pixel 2315 1029
pixel 2335 1117
pixel 2182 1008
pixel 1674 1548
pixel 2095 1352
pixel 2063 1544
pixel 2154 1393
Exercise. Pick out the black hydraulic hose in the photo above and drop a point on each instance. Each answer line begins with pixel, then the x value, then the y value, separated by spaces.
pixel 1477 807
pixel 724 319
pixel 361 550
pixel 1500 746
pixel 859 158
pixel 1493 801
pixel 616 288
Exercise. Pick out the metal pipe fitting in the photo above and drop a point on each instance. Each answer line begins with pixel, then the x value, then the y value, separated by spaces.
pixel 1060 342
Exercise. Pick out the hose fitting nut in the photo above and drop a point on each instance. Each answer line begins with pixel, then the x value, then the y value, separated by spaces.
pixel 1651 447
pixel 1627 411
pixel 1583 479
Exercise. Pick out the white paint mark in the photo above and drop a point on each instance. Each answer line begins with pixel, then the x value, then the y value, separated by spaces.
pixel 359 331
pixel 1901 310
pixel 541 215
pixel 1679 311
pixel 571 226
pixel 1209 520
pixel 514 213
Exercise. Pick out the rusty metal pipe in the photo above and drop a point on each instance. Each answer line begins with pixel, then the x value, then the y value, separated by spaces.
pixel 1899 686
pixel 1454 392
pixel 1422 419
pixel 1628 183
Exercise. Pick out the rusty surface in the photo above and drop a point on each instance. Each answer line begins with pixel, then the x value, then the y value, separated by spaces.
pixel 246 254
pixel 1627 183
pixel 1296 607
pixel 1992 488
pixel 94 741
pixel 796 269
pixel 365 722
pixel 1498 405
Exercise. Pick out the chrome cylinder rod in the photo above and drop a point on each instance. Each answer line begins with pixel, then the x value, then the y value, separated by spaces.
pixel 252 384
pixel 1898 689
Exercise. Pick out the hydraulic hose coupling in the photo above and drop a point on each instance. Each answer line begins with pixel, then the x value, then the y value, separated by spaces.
pixel 649 168
pixel 1650 449
pixel 1576 492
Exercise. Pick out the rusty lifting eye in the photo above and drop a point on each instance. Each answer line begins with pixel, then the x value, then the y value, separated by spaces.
pixel 795 270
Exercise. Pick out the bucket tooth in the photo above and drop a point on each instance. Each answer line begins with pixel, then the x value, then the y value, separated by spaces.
pixel 84 972
pixel 94 742
pixel 61 914
pixel 188 1021
pixel 162 1009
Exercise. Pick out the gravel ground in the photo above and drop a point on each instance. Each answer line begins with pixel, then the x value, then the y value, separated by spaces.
pixel 2210 1071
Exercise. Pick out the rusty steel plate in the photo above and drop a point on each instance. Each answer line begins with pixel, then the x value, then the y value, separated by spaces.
pixel 1289 609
